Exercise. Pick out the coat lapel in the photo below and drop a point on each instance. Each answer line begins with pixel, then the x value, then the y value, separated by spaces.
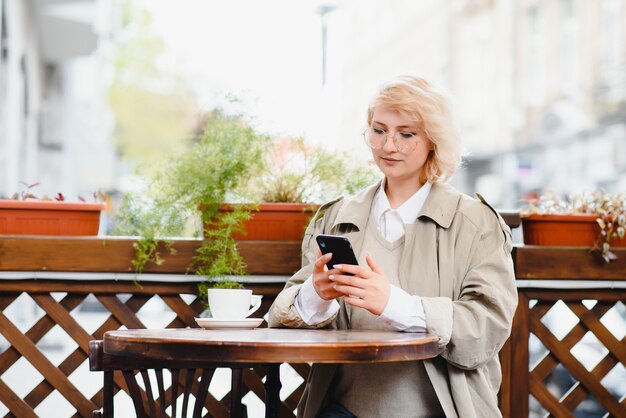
pixel 421 260
pixel 353 216
pixel 437 215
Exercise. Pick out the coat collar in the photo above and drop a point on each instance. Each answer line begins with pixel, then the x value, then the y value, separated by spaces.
pixel 356 210
pixel 440 206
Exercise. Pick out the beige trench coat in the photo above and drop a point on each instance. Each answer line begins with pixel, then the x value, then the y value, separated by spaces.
pixel 463 248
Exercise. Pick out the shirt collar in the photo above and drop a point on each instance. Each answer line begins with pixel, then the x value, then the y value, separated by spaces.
pixel 408 211
pixel 440 206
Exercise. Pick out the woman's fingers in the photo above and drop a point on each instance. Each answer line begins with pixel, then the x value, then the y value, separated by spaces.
pixel 352 269
pixel 349 291
pixel 323 286
pixel 349 285
pixel 361 271
pixel 354 301
pixel 373 264
pixel 320 263
pixel 340 279
pixel 364 288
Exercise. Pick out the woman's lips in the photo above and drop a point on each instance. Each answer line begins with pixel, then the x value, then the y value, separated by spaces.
pixel 389 160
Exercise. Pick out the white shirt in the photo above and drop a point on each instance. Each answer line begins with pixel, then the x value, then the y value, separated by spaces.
pixel 404 312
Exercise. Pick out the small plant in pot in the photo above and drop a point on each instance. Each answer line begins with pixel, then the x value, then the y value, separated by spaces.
pixel 595 219
pixel 295 178
pixel 296 171
pixel 189 191
pixel 26 213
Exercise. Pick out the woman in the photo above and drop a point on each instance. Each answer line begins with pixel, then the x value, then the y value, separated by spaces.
pixel 430 259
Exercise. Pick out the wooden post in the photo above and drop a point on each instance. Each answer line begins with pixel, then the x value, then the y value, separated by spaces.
pixel 519 384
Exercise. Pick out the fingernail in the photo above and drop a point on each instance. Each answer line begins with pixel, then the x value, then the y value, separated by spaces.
pixel 337 266
pixel 331 277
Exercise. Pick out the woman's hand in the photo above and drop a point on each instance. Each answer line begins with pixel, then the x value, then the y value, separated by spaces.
pixel 368 288
pixel 323 286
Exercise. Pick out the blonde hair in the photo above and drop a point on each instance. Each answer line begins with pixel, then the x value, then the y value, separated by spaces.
pixel 430 109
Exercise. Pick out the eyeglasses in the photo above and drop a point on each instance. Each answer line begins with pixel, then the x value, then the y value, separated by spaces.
pixel 376 138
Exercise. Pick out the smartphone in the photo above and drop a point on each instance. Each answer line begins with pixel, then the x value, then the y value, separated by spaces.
pixel 339 246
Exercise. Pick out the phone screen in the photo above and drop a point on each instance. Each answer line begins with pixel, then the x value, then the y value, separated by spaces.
pixel 339 246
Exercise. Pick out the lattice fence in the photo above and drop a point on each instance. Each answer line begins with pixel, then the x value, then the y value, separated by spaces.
pixel 576 353
pixel 59 307
pixel 567 349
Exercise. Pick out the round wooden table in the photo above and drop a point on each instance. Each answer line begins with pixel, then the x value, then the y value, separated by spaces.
pixel 271 347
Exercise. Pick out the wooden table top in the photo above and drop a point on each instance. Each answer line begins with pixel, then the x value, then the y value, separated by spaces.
pixel 271 345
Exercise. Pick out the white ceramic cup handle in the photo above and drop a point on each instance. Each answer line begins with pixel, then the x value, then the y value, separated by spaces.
pixel 256 304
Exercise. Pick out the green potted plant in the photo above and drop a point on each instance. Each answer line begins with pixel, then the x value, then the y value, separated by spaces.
pixel 294 179
pixel 27 214
pixel 189 192
pixel 595 219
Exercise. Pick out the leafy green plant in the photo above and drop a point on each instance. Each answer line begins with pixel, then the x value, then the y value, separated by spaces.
pixel 189 191
pixel 610 212
pixel 220 284
pixel 153 221
pixel 295 171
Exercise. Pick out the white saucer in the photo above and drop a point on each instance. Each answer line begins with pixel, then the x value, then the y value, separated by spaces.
pixel 213 323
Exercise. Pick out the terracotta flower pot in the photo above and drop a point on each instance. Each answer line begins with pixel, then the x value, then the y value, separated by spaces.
pixel 565 230
pixel 277 222
pixel 36 217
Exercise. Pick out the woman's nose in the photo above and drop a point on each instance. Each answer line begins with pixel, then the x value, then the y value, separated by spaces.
pixel 390 143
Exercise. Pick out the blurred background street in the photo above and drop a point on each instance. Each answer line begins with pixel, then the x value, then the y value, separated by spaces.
pixel 96 93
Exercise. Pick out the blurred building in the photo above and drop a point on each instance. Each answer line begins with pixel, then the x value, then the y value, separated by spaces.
pixel 539 87
pixel 570 96
pixel 54 124
pixel 563 98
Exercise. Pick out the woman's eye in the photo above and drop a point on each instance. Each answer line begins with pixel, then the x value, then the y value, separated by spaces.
pixel 406 135
pixel 378 131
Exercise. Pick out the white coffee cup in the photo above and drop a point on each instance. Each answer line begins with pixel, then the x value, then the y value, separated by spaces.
pixel 233 304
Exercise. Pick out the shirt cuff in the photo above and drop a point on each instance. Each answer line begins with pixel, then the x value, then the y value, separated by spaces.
pixel 404 312
pixel 311 307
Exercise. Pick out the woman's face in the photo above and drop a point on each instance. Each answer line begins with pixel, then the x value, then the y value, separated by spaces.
pixel 396 165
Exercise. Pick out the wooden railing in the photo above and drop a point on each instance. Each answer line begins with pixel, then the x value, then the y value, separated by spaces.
pixel 567 350
pixel 63 275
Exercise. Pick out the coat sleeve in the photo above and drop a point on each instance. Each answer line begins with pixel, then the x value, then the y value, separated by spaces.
pixel 473 328
pixel 283 312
